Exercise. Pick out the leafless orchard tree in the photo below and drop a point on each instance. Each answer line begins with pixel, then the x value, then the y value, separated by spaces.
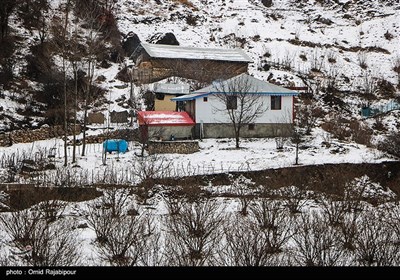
pixel 40 242
pixel 245 190
pixel 316 243
pixel 147 169
pixel 348 232
pixel 246 245
pixel 334 211
pixel 273 219
pixel 375 243
pixel 122 238
pixel 116 199
pixel 240 102
pixel 392 215
pixel 294 197
pixel 193 235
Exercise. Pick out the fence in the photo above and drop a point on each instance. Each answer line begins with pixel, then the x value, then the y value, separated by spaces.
pixel 368 111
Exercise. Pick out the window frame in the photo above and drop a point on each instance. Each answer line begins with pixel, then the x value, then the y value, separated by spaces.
pixel 231 102
pixel 274 104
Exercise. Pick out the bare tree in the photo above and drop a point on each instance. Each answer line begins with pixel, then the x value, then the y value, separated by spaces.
pixel 122 235
pixel 316 242
pixel 295 198
pixel 375 242
pixel 147 169
pixel 40 242
pixel 94 42
pixel 246 245
pixel 306 116
pixel 194 235
pixel 244 189
pixel 369 84
pixel 61 34
pixel 297 139
pixel 240 102
pixel 120 240
pixel 274 221
pixel 334 211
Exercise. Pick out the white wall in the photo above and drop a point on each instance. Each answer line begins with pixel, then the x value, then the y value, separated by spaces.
pixel 208 112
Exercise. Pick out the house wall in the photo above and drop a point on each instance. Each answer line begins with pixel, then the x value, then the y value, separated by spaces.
pixel 166 104
pixel 213 111
pixel 165 132
pixel 155 69
pixel 221 130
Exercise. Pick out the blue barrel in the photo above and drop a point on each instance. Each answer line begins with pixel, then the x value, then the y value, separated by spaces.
pixel 115 145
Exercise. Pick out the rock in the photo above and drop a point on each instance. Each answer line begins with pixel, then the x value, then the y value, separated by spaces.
pixel 267 3
pixel 130 43
pixel 165 39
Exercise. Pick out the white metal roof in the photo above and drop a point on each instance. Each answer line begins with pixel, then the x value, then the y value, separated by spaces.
pixel 171 88
pixel 253 86
pixel 172 51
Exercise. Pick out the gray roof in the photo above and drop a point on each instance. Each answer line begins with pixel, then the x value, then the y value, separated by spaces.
pixel 171 88
pixel 253 86
pixel 170 51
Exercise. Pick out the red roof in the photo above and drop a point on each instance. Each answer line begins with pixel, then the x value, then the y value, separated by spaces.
pixel 164 118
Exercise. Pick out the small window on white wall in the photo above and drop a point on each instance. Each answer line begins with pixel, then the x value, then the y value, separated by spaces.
pixel 231 102
pixel 276 102
pixel 205 99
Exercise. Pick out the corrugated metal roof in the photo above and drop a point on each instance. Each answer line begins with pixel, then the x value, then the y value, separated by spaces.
pixel 170 118
pixel 251 85
pixel 190 96
pixel 170 51
pixel 171 88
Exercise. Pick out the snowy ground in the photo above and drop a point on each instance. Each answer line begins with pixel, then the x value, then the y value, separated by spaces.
pixel 214 156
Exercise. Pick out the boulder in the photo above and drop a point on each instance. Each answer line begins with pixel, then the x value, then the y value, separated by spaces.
pixel 130 43
pixel 164 39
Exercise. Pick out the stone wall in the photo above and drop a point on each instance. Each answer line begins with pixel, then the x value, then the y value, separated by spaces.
pixel 173 147
pixel 96 118
pixel 119 117
pixel 258 130
pixel 26 136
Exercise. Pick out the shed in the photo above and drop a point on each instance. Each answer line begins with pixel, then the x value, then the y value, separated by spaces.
pixel 165 125
pixel 163 94
pixel 156 62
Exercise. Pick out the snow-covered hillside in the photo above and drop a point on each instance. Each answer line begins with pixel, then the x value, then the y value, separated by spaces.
pixel 345 44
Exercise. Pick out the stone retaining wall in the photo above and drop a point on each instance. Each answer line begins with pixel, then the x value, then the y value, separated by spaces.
pixel 26 136
pixel 169 147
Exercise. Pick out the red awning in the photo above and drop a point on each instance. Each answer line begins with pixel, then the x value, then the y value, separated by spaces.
pixel 164 118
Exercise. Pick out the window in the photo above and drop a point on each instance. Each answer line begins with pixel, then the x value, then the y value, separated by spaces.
pixel 160 96
pixel 205 99
pixel 276 102
pixel 252 126
pixel 231 102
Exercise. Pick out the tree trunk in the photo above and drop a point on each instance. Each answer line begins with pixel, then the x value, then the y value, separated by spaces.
pixel 75 109
pixel 87 95
pixel 297 154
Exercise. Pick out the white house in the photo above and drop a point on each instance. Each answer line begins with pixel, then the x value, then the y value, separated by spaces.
pixel 211 117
